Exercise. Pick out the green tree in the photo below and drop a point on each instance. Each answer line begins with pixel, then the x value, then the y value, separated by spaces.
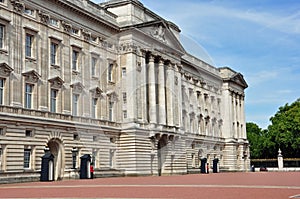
pixel 254 134
pixel 285 130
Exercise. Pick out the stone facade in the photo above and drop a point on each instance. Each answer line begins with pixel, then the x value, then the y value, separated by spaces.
pixel 111 80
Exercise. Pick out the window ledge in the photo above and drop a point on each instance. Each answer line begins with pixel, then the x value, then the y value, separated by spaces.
pixel 55 66
pixel 30 59
pixel 75 72
pixel 3 51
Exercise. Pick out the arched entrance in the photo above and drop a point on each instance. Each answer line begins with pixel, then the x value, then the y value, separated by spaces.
pixel 56 150
pixel 162 152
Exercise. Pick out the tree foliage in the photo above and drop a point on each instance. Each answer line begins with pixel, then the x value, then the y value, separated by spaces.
pixel 283 133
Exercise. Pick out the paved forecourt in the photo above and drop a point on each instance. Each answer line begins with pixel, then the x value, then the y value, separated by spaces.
pixel 275 185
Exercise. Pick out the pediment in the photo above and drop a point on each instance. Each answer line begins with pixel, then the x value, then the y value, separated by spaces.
pixel 97 92
pixel 5 70
pixel 162 33
pixel 31 76
pixel 56 82
pixel 77 87
pixel 239 79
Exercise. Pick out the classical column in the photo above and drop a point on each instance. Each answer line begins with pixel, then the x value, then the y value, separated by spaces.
pixel 169 94
pixel 152 90
pixel 161 93
pixel 178 97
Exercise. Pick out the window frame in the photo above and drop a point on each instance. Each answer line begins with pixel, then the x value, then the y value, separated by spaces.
pixel 2 36
pixel 29 42
pixel 28 95
pixel 27 158
pixel 111 110
pixel 75 104
pixel 54 47
pixel 94 61
pixel 75 59
pixel 94 107
pixel 2 90
pixel 53 100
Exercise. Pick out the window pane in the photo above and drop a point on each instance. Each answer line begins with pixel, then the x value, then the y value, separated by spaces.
pixel 53 100
pixel 75 104
pixel 28 45
pixel 27 153
pixel 53 53
pixel 28 95
pixel 74 60
pixel 1 36
pixel 93 72
pixel 1 91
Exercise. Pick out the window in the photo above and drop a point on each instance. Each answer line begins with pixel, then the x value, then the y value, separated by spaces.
pixel 110 72
pixel 124 114
pixel 53 22
pixel 29 11
pixel 123 72
pixel 94 107
pixel 75 31
pixel 75 55
pixel 2 131
pixel 75 136
pixel 93 68
pixel 28 45
pixel 28 133
pixel 112 158
pixel 111 107
pixel 1 36
pixel 1 1
pixel 27 154
pixel 53 98
pixel 53 53
pixel 75 104
pixel 28 95
pixel 2 81
pixel 124 98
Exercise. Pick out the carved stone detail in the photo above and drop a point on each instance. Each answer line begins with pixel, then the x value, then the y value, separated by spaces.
pixel 159 33
pixel 18 6
pixel 128 47
pixel 77 87
pixel 66 26
pixel 5 70
pixel 44 17
pixel 97 92
pixel 86 35
pixel 31 76
pixel 56 82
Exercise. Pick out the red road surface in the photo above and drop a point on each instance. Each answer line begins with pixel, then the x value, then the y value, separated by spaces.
pixel 259 185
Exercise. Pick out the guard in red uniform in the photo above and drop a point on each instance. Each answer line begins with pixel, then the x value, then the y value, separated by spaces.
pixel 92 171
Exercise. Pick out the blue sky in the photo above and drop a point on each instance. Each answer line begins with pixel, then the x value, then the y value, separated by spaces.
pixel 259 38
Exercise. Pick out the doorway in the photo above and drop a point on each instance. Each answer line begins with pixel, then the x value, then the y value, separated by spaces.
pixel 162 152
pixel 56 150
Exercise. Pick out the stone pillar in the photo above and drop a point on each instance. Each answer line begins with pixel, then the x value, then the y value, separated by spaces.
pixel 280 160
pixel 178 97
pixel 152 90
pixel 161 93
pixel 170 93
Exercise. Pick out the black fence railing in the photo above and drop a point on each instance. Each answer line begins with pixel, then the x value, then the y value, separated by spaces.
pixel 273 163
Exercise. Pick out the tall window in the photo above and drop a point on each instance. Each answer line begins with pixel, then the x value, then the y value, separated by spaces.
pixel 75 55
pixel 2 81
pixel 75 104
pixel 112 158
pixel 53 96
pixel 94 107
pixel 111 108
pixel 1 36
pixel 28 45
pixel 123 72
pixel 93 68
pixel 110 72
pixel 28 95
pixel 124 98
pixel 27 154
pixel 53 53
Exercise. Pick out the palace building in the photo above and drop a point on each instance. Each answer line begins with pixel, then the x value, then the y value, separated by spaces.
pixel 112 80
